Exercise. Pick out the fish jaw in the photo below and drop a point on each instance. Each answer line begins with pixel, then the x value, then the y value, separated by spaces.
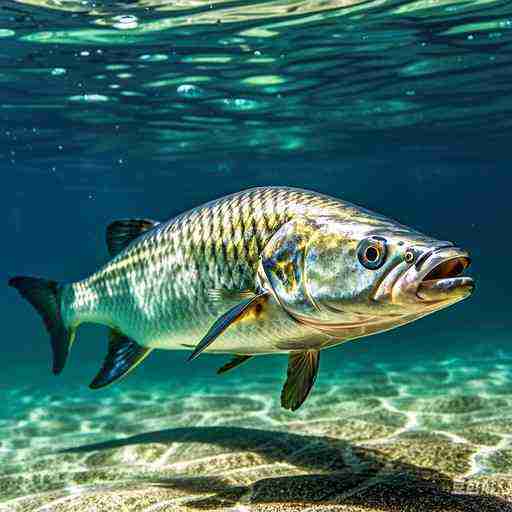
pixel 435 280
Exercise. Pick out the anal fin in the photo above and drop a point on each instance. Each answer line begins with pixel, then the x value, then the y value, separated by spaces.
pixel 302 372
pixel 123 356
pixel 233 363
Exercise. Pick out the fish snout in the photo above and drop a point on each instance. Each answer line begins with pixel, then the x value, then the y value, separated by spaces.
pixel 437 277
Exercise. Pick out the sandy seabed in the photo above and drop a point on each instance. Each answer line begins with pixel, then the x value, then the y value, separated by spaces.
pixel 430 437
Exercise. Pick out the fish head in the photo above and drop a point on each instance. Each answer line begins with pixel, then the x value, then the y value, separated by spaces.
pixel 362 275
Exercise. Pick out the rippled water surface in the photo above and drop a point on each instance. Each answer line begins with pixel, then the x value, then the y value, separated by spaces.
pixel 174 79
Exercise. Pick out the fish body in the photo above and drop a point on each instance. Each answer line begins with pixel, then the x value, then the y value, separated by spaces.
pixel 266 270
pixel 170 284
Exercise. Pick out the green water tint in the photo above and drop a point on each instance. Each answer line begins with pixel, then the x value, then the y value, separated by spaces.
pixel 344 74
pixel 440 429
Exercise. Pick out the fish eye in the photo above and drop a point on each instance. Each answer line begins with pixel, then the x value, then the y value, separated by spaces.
pixel 409 256
pixel 372 252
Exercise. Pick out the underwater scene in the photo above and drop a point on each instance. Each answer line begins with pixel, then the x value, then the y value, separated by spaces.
pixel 116 111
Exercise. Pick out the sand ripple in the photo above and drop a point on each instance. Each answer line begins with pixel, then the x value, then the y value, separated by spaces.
pixel 431 437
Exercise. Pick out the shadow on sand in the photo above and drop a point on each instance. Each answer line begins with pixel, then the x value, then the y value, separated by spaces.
pixel 334 473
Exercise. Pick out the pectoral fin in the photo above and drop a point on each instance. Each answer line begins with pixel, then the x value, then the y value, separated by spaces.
pixel 123 356
pixel 245 307
pixel 302 372
pixel 233 363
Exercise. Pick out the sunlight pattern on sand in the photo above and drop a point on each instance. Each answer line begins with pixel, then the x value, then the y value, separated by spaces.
pixel 376 436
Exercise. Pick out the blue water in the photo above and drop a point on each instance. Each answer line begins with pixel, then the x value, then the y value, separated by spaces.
pixel 145 109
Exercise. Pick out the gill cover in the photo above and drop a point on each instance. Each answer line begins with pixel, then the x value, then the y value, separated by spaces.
pixel 282 267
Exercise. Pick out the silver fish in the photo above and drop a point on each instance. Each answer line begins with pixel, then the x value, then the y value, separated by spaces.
pixel 263 271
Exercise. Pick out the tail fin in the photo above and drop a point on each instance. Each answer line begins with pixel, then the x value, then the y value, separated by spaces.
pixel 44 295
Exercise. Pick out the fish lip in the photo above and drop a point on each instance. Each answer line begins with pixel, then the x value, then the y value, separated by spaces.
pixel 441 277
pixel 437 280
pixel 453 284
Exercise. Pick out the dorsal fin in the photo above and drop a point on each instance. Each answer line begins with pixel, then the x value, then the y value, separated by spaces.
pixel 121 232
pixel 302 372
pixel 123 356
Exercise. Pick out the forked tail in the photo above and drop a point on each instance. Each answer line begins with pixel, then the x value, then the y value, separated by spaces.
pixel 45 296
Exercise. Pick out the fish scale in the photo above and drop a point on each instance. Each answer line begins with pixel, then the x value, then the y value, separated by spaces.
pixel 171 269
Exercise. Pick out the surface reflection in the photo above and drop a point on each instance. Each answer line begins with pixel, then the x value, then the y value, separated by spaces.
pixel 171 79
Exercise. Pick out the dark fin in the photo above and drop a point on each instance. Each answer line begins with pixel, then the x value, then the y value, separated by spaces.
pixel 255 303
pixel 233 363
pixel 123 356
pixel 121 233
pixel 302 372
pixel 44 295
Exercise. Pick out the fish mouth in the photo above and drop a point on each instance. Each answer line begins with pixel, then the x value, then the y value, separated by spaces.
pixel 442 278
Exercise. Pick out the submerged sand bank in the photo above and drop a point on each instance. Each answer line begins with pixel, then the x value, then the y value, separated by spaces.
pixel 432 437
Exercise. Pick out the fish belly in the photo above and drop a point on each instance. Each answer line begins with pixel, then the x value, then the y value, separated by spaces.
pixel 271 332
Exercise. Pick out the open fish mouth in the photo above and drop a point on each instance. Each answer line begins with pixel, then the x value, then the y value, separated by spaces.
pixel 443 279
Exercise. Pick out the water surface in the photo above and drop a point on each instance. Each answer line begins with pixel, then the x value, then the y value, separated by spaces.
pixel 169 80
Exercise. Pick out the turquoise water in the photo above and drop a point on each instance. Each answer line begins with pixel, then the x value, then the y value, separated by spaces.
pixel 147 108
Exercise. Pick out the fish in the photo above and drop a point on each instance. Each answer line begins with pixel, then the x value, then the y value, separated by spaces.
pixel 268 270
